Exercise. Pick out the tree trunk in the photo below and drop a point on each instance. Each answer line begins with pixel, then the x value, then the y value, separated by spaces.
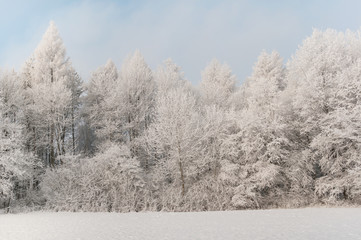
pixel 72 129
pixel 181 168
pixel 63 140
pixel 51 142
pixel 182 176
pixel 51 145
pixel 8 208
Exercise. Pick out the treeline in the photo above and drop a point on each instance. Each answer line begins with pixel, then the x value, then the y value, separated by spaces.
pixel 133 139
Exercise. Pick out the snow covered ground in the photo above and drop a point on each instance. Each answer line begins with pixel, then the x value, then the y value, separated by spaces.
pixel 309 223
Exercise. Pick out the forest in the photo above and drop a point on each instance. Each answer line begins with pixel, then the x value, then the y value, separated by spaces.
pixel 137 139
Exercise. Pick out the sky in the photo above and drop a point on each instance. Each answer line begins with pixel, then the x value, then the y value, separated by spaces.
pixel 191 33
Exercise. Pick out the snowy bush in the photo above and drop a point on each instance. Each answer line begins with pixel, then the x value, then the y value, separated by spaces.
pixel 207 194
pixel 110 181
pixel 340 189
pixel 262 185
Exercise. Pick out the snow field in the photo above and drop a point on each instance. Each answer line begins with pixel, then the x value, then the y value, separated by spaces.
pixel 309 223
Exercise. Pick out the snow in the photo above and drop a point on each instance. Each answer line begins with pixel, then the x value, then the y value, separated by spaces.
pixel 309 223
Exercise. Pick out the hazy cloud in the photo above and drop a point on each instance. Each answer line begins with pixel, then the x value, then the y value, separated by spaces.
pixel 190 32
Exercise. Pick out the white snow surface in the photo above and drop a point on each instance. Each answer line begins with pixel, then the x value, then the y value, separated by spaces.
pixel 309 223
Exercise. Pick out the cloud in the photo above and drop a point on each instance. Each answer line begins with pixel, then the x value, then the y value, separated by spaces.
pixel 189 32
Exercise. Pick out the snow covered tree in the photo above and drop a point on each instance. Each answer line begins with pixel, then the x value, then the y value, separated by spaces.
pixel 75 84
pixel 51 104
pixel 120 107
pixel 324 80
pixel 49 57
pixel 259 148
pixel 262 88
pixel 313 73
pixel 16 165
pixel 218 84
pixel 169 76
pixel 102 112
pixel 217 88
pixel 137 91
pixel 48 78
pixel 261 121
pixel 173 138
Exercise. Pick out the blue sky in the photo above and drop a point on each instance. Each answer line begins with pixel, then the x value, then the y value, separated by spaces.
pixel 192 33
